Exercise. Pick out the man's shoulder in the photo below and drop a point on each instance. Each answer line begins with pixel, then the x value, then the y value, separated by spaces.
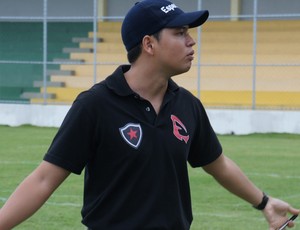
pixel 187 93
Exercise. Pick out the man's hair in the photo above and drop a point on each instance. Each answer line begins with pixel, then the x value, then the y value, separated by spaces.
pixel 134 53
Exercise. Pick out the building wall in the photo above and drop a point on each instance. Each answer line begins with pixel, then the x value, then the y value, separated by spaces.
pixel 84 8
pixel 119 8
pixel 223 121
pixel 56 8
pixel 272 7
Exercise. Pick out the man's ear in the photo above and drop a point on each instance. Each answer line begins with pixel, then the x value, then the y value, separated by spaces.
pixel 147 44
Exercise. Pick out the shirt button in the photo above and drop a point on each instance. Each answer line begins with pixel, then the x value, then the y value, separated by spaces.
pixel 148 109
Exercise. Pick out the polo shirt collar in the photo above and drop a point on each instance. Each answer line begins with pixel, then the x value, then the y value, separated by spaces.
pixel 117 82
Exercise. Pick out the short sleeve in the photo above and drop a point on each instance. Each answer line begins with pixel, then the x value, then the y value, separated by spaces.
pixel 205 147
pixel 74 142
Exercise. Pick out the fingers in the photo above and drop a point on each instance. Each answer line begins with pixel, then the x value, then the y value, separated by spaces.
pixel 293 211
pixel 289 223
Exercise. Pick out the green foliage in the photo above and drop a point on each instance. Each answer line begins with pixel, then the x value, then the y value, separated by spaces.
pixel 271 161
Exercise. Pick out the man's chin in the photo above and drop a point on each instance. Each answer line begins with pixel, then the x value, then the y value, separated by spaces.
pixel 186 69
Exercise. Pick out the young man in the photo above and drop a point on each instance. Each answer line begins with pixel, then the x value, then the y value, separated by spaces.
pixel 134 134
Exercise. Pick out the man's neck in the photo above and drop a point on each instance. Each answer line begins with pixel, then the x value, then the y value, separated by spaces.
pixel 149 84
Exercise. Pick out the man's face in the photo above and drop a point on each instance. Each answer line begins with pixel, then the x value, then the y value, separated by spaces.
pixel 174 50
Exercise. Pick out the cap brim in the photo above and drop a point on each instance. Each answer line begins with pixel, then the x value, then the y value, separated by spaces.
pixel 191 19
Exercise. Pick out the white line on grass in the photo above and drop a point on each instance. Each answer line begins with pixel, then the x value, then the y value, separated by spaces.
pixel 227 216
pixel 64 204
pixel 18 163
pixel 214 214
pixel 293 196
pixel 3 199
pixel 273 175
pixel 61 195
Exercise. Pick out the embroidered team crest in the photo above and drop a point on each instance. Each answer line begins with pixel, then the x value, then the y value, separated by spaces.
pixel 132 134
pixel 179 130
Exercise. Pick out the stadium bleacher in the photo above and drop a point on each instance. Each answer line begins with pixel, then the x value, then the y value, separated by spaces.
pixel 226 72
pixel 22 42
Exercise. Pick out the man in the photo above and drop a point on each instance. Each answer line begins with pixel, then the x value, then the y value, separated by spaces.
pixel 134 134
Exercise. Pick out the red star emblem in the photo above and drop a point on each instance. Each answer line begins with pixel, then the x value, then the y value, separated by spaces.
pixel 132 134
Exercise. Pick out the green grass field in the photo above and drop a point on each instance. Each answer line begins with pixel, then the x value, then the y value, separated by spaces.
pixel 270 160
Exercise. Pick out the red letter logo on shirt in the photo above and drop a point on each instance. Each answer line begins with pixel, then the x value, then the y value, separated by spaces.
pixel 132 134
pixel 177 127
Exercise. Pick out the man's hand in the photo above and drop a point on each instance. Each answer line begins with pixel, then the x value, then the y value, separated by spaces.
pixel 276 212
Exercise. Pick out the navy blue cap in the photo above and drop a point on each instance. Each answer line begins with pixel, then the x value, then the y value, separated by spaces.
pixel 149 16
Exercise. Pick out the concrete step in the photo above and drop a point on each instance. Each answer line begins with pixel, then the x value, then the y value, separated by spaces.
pixel 77 50
pixel 49 84
pixel 64 94
pixel 107 36
pixel 110 26
pixel 88 70
pixel 87 39
pixel 60 72
pixel 68 61
pixel 31 95
pixel 105 47
pixel 77 82
pixel 50 101
pixel 101 57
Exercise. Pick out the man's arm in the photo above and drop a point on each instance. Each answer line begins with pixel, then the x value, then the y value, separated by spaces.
pixel 230 176
pixel 31 194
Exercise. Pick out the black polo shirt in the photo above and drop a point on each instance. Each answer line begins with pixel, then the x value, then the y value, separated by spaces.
pixel 135 161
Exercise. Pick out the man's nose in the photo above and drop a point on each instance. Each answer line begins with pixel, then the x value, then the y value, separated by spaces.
pixel 190 40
